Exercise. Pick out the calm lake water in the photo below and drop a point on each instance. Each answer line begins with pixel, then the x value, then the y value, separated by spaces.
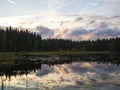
pixel 78 75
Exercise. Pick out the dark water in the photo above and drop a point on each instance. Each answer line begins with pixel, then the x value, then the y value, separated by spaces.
pixel 30 72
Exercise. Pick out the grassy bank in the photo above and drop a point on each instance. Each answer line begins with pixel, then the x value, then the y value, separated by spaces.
pixel 55 53
pixel 11 56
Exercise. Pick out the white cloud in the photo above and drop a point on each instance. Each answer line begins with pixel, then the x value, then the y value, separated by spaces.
pixel 76 27
pixel 85 28
pixel 59 4
pixel 112 0
pixel 19 21
pixel 45 32
pixel 12 2
pixel 93 4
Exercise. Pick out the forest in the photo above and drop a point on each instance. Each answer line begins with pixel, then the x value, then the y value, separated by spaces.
pixel 15 40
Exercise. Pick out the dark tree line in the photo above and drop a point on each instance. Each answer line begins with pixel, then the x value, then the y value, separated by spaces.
pixel 98 45
pixel 20 40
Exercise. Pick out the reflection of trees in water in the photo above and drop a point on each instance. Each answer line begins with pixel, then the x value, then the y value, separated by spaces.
pixel 26 65
pixel 31 63
pixel 16 69
pixel 3 82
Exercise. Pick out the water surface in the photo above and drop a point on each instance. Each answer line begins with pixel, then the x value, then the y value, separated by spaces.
pixel 69 75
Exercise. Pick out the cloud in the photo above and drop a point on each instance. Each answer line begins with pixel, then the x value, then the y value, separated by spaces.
pixel 102 25
pixel 12 2
pixel 78 19
pixel 104 31
pixel 108 32
pixel 112 0
pixel 45 32
pixel 24 21
pixel 56 7
pixel 93 4
pixel 75 27
pixel 92 22
pixel 79 31
pixel 89 28
pixel 62 3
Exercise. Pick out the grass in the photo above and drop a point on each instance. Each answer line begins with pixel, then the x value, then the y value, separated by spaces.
pixel 11 56
pixel 55 53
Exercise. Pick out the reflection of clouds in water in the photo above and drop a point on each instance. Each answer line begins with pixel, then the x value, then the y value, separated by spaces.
pixel 104 87
pixel 81 67
pixel 81 74
pixel 76 76
pixel 45 70
pixel 108 68
pixel 86 65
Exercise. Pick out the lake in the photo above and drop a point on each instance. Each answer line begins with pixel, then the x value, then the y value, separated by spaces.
pixel 63 72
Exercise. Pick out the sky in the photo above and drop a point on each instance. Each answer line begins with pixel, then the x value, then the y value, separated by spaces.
pixel 58 7
pixel 52 14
